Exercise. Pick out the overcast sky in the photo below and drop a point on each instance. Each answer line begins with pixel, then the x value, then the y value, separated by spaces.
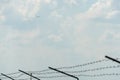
pixel 35 34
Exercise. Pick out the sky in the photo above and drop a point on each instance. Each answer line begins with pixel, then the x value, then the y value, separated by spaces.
pixel 35 34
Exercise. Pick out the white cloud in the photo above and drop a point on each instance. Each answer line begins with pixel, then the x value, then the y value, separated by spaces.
pixel 52 3
pixel 27 8
pixel 2 18
pixel 83 36
pixel 71 2
pixel 85 1
pixel 106 35
pixel 55 38
pixel 17 36
pixel 112 14
pixel 100 9
pixel 37 52
pixel 56 14
pixel 110 35
pixel 48 1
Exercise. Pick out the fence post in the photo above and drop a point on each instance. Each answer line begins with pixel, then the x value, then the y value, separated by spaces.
pixel 64 73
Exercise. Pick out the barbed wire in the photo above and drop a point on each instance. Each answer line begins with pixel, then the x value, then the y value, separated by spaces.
pixel 12 76
pixel 86 64
pixel 23 79
pixel 101 75
pixel 87 70
pixel 75 66
pixel 82 75
pixel 17 76
pixel 12 73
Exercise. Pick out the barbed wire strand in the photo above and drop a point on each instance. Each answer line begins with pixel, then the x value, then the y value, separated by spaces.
pixel 75 66
pixel 83 75
pixel 12 76
pixel 18 76
pixel 87 70
pixel 80 75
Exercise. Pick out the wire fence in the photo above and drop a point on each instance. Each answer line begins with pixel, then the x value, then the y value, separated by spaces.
pixel 44 73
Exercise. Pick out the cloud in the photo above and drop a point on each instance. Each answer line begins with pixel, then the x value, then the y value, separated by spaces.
pixel 102 9
pixel 113 14
pixel 51 3
pixel 71 2
pixel 23 49
pixel 14 36
pixel 47 1
pixel 56 14
pixel 84 36
pixel 110 36
pixel 27 9
pixel 55 38
pixel 2 18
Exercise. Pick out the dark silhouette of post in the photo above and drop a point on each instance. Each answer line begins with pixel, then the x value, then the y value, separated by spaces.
pixel 64 73
pixel 29 74
pixel 7 76
pixel 115 60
